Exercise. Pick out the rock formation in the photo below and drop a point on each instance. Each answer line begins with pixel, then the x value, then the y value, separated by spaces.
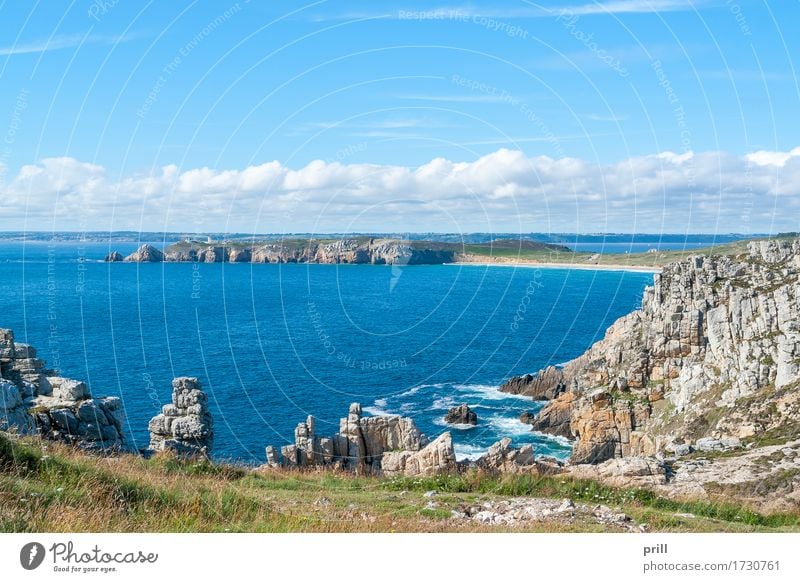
pixel 545 385
pixel 436 457
pixel 461 414
pixel 714 353
pixel 184 427
pixel 114 257
pixel 34 400
pixel 355 251
pixel 503 458
pixel 364 444
pixel 145 254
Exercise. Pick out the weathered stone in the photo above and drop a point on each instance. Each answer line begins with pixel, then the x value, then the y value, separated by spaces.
pixel 67 389
pixel 712 355
pixel 461 414
pixel 184 427
pixel 503 458
pixel 146 254
pixel 435 458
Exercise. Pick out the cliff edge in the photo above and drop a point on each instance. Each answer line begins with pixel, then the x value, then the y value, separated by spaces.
pixel 711 361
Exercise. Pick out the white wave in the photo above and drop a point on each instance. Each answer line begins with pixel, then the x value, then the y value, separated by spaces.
pixel 509 426
pixel 443 403
pixel 408 407
pixel 439 421
pixel 489 392
pixel 466 451
pixel 381 402
pixel 554 437
pixel 377 411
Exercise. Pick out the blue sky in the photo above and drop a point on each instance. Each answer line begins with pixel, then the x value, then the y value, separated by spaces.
pixel 100 97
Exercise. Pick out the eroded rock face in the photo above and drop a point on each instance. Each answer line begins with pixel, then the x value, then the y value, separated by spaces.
pixel 435 458
pixel 503 458
pixel 146 254
pixel 185 426
pixel 546 385
pixel 373 444
pixel 714 353
pixel 33 400
pixel 461 414
pixel 343 251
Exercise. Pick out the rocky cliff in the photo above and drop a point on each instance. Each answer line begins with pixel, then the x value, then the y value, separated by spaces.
pixel 352 251
pixel 35 400
pixel 711 360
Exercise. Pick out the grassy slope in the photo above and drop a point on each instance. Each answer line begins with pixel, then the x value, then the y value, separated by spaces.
pixel 48 487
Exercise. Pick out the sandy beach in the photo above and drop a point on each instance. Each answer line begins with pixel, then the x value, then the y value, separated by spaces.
pixel 583 267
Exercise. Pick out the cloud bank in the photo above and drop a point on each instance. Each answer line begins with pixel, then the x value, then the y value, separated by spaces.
pixel 504 191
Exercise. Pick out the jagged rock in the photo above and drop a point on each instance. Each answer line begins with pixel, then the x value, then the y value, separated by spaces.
pixel 114 257
pixel 67 389
pixel 556 416
pixel 361 444
pixel 503 458
pixel 54 407
pixel 273 459
pixel 462 414
pixel 360 251
pixel 546 385
pixel 713 353
pixel 437 457
pixel 146 254
pixel 184 427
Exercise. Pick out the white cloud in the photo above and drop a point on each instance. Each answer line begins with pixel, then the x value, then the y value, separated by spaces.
pixel 766 158
pixel 504 191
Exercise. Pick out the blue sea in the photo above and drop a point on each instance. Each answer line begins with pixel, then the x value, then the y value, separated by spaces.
pixel 274 343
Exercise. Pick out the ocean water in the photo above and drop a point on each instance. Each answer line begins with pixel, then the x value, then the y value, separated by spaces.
pixel 275 343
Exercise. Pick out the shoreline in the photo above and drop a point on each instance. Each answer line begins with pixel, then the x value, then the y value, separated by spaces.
pixel 568 266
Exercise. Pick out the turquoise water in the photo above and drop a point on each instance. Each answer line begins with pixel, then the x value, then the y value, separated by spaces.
pixel 274 343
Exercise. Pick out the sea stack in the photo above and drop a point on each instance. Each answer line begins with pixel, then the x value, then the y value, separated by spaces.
pixel 184 427
pixel 462 414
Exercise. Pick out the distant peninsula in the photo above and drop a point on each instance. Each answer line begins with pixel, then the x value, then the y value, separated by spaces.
pixel 359 250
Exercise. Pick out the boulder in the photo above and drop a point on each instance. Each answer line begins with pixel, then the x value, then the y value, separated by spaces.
pixel 435 458
pixel 113 257
pixel 461 414
pixel 67 389
pixel 503 458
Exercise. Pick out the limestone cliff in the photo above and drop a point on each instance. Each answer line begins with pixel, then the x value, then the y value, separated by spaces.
pixel 713 356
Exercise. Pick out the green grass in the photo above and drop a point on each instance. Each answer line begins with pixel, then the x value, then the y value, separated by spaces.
pixel 49 487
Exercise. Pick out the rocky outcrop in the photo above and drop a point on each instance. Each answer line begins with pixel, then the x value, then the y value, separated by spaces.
pixel 185 426
pixel 714 353
pixel 461 414
pixel 34 400
pixel 546 385
pixel 503 458
pixel 435 458
pixel 114 257
pixel 367 444
pixel 145 254
pixel 343 251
